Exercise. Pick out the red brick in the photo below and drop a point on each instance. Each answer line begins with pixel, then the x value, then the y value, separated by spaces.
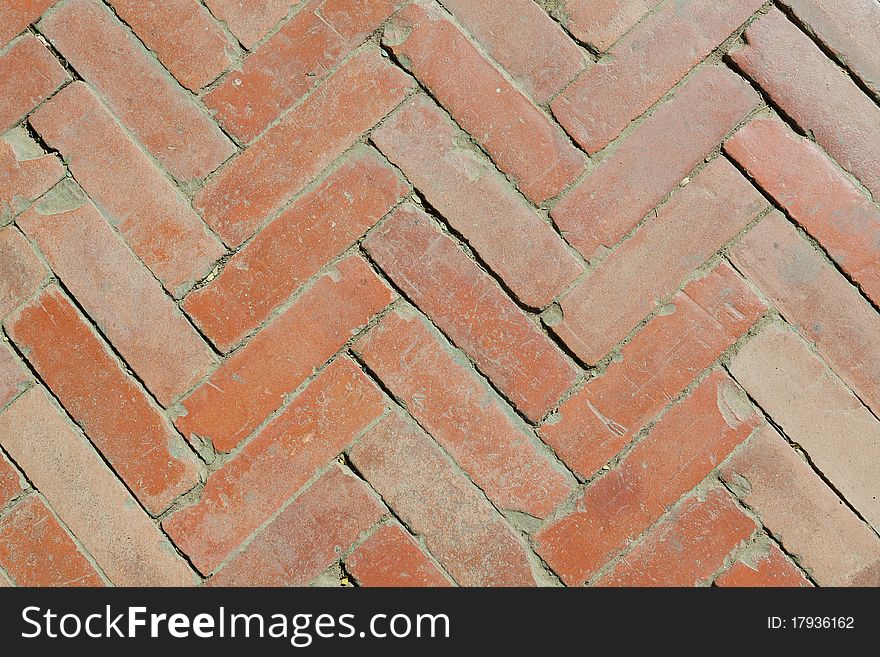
pixel 294 151
pixel 319 424
pixel 22 179
pixel 816 299
pixel 659 153
pixel 87 497
pixel 184 36
pixel 458 524
pixel 489 442
pixel 122 297
pixel 114 412
pixel 816 194
pixel 390 557
pixel 294 59
pixel 500 118
pixel 698 325
pixel 10 482
pixel 250 20
pixel 309 535
pixel 316 229
pixel 478 202
pixel 792 501
pixel 600 23
pixel 608 96
pixel 815 409
pixel 21 272
pixel 153 217
pixel 28 76
pixel 13 377
pixel 499 25
pixel 36 551
pixel 679 452
pixel 697 221
pixel 254 381
pixel 472 310
pixel 18 14
pixel 770 569
pixel 688 547
pixel 815 93
pixel 166 120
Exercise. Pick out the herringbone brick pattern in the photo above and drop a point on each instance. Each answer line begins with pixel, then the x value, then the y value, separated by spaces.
pixel 440 292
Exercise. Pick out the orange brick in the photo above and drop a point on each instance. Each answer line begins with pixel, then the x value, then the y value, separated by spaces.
pixel 770 569
pixel 472 310
pixel 500 118
pixel 253 382
pixel 22 179
pixel 13 377
pixel 390 557
pixel 18 14
pixel 114 412
pixel 21 272
pixel 489 442
pixel 10 482
pixel 250 20
pixel 602 22
pixel 28 76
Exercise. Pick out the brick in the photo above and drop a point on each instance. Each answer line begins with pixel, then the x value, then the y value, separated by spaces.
pixel 821 303
pixel 608 96
pixel 490 443
pixel 294 151
pixel 115 413
pixel 184 36
pixel 28 76
pixel 166 120
pixel 254 381
pixel 18 14
pixel 36 551
pixel 688 547
pixel 499 25
pixel 483 102
pixel 829 541
pixel 696 327
pixel 600 23
pixel 688 442
pixel 21 272
pixel 13 377
pixel 815 93
pixel 697 221
pixel 153 217
pixel 250 20
pixel 770 569
pixel 293 60
pixel 239 497
pixel 87 497
pixel 308 536
pixel 23 179
pixel 477 202
pixel 816 410
pixel 316 229
pixel 459 526
pixel 390 557
pixel 4 581
pixel 10 482
pixel 472 310
pixel 620 192
pixel 122 297
pixel 815 193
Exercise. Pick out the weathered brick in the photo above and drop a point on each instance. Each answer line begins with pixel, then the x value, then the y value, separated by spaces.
pixel 697 221
pixel 121 296
pixel 769 569
pixel 153 217
pixel 10 482
pixel 830 542
pixel 13 377
pixel 309 535
pixel 500 118
pixel 458 524
pixel 28 76
pixel 21 272
pixel 253 382
pixel 23 178
pixel 490 443
pixel 700 322
pixel 478 202
pixel 18 14
pixel 115 413
pixel 88 498
pixel 816 193
pixel 293 61
pixel 499 25
pixel 680 451
pixel 184 36
pixel 36 551
pixel 166 120
pixel 472 310
pixel 608 96
pixel 688 547
pixel 816 299
pixel 651 161
pixel 251 20
pixel 390 557
pixel 815 93
pixel 600 23
pixel 319 424
pixel 317 228
pixel 294 151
